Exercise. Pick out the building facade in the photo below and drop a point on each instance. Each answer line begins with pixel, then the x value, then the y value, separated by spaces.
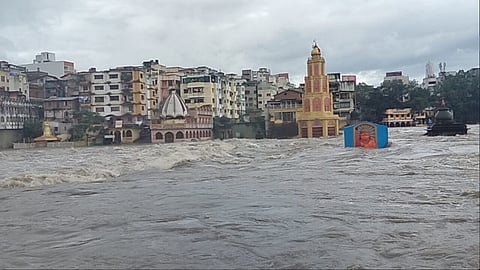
pixel 282 114
pixel 398 118
pixel 179 123
pixel 45 61
pixel 317 119
pixel 13 80
pixel 396 76
pixel 343 92
pixel 119 91
pixel 59 112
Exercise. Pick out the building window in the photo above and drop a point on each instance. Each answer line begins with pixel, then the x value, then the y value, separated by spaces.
pixel 99 87
pixel 99 109
pixel 113 76
pixel 99 99
pixel 114 98
pixel 114 87
pixel 128 133
pixel 115 109
pixel 98 77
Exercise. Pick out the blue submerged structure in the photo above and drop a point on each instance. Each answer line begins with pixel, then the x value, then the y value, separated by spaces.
pixel 366 135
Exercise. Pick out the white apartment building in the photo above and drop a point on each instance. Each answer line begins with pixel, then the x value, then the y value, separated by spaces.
pixel 430 79
pixel 13 79
pixel 241 97
pixel 120 91
pixel 229 100
pixel 45 61
pixel 212 88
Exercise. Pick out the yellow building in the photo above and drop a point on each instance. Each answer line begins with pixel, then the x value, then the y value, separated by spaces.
pixel 398 118
pixel 317 120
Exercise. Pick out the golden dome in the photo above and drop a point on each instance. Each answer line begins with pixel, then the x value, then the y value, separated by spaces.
pixel 315 50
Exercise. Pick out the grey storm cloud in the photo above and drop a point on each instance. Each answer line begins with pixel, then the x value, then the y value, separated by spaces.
pixel 365 37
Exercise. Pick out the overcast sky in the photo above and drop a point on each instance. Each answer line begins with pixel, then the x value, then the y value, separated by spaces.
pixel 362 37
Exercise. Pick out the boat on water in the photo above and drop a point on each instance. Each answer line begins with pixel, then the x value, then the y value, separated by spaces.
pixel 444 124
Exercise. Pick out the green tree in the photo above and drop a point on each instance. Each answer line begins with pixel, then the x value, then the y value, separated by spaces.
pixel 86 121
pixel 419 98
pixel 461 94
pixel 32 128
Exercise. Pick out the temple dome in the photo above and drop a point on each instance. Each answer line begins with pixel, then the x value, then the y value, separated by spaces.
pixel 443 115
pixel 174 106
pixel 315 50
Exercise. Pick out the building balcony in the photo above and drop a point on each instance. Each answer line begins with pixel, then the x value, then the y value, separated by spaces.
pixel 284 106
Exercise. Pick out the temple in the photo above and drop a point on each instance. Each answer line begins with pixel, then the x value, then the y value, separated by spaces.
pixel 47 135
pixel 180 123
pixel 317 120
pixel 444 124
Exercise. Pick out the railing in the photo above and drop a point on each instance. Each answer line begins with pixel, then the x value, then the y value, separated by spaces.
pixel 284 106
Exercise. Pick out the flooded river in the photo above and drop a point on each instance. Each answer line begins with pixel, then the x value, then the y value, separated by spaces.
pixel 244 204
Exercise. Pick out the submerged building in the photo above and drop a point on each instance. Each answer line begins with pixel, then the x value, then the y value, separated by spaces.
pixel 317 119
pixel 179 123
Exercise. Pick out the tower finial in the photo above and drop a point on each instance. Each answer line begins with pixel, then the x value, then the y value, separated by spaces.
pixel 314 43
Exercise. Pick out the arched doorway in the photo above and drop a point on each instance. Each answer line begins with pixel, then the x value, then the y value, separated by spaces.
pixel 118 137
pixel 169 137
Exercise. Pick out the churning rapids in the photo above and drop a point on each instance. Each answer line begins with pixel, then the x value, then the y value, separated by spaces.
pixel 244 204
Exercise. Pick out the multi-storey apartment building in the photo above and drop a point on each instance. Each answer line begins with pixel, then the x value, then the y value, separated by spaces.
pixel 228 86
pixel 430 80
pixel 14 112
pixel 241 97
pixel 396 76
pixel 79 85
pixel 151 70
pixel 251 97
pixel 343 92
pixel 266 86
pixel 265 92
pixel 13 79
pixel 42 86
pixel 118 92
pixel 198 90
pixel 59 111
pixel 169 77
pixel 205 86
pixel 45 61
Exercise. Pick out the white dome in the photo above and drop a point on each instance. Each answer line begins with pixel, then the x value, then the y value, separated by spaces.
pixel 174 106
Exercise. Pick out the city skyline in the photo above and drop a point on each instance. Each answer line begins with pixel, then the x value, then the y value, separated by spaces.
pixel 363 38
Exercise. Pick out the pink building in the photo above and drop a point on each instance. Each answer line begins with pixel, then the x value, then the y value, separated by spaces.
pixel 179 123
